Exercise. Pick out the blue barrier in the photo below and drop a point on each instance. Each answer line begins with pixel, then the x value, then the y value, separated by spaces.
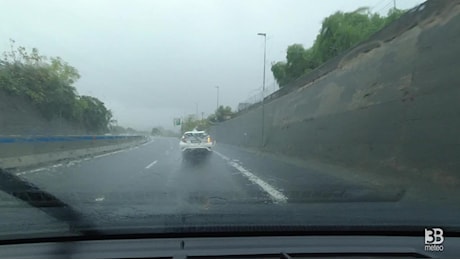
pixel 47 139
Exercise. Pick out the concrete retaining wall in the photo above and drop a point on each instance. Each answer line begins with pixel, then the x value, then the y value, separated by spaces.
pixel 19 152
pixel 19 117
pixel 389 105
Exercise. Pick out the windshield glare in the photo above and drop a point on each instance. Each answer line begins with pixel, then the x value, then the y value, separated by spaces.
pixel 120 115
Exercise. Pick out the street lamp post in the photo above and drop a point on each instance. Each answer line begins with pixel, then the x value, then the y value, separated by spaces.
pixel 217 87
pixel 263 86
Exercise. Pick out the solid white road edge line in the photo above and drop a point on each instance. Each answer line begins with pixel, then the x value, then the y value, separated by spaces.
pixel 151 164
pixel 80 160
pixel 276 195
pixel 40 169
pixel 106 154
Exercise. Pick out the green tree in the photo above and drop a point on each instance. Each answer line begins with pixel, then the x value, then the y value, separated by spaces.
pixel 339 32
pixel 116 129
pixel 93 114
pixel 156 131
pixel 393 15
pixel 296 62
pixel 222 113
pixel 189 123
pixel 67 74
pixel 279 72
pixel 47 83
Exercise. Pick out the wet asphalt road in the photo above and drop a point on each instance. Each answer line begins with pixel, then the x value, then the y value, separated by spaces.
pixel 157 172
pixel 155 178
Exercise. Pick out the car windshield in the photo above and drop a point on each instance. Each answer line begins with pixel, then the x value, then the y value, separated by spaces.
pixel 339 114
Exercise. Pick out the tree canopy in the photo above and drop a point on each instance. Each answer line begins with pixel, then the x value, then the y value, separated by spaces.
pixel 339 32
pixel 191 122
pixel 221 114
pixel 47 83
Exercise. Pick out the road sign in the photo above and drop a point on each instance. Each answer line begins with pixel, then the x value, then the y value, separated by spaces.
pixel 177 121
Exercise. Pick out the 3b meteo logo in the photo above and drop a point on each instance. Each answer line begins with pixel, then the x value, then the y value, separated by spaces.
pixel 434 237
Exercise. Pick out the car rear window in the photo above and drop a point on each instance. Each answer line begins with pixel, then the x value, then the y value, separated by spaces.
pixel 196 135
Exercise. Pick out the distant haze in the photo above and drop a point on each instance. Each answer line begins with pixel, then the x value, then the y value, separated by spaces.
pixel 151 61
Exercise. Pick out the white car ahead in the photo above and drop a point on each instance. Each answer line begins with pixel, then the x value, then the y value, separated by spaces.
pixel 196 141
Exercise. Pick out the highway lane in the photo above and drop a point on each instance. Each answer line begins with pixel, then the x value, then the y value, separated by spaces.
pixel 154 179
pixel 157 172
pixel 151 173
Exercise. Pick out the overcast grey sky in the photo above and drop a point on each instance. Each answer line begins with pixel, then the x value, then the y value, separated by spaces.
pixel 151 61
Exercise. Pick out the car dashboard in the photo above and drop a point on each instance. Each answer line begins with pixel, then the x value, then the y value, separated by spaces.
pixel 235 247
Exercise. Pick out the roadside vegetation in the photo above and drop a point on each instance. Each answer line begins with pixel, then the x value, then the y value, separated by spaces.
pixel 48 84
pixel 339 32
pixel 191 122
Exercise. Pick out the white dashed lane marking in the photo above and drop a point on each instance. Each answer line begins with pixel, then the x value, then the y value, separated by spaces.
pixel 99 199
pixel 151 164
pixel 40 169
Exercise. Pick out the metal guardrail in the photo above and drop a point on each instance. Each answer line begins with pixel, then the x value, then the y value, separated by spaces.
pixel 47 139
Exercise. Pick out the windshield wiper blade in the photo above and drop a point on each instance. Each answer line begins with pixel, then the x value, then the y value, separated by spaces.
pixel 46 202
